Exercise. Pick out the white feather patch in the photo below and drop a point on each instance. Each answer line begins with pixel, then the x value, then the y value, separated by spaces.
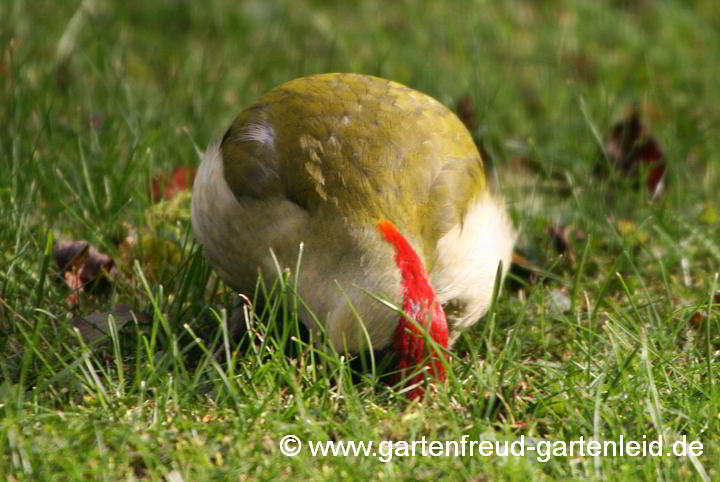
pixel 468 258
pixel 262 133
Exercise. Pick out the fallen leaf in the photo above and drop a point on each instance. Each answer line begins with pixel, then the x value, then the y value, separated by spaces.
pixel 166 186
pixel 69 254
pixel 95 325
pixel 630 145
pixel 697 320
pixel 81 256
pixel 81 266
pixel 72 280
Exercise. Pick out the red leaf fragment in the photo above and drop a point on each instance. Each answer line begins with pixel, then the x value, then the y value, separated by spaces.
pixel 166 186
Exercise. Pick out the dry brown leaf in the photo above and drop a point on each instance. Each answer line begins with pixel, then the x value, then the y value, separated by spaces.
pixel 630 146
pixel 81 266
pixel 697 320
pixel 95 325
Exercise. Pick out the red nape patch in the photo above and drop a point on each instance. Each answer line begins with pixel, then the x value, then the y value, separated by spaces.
pixel 420 305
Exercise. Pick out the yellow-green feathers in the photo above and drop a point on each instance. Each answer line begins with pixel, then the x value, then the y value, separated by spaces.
pixel 319 161
pixel 358 147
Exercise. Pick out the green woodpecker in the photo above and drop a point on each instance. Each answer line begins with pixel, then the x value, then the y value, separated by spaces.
pixel 386 190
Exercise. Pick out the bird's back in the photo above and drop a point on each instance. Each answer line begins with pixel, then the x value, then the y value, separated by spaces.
pixel 360 146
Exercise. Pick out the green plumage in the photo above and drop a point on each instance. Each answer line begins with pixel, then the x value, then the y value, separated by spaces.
pixel 360 148
pixel 319 162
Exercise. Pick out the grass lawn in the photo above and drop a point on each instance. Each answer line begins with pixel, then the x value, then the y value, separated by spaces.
pixel 610 331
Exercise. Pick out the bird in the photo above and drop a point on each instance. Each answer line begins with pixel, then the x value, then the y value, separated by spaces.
pixel 384 188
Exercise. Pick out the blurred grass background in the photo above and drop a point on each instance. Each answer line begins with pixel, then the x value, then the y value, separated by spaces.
pixel 98 96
